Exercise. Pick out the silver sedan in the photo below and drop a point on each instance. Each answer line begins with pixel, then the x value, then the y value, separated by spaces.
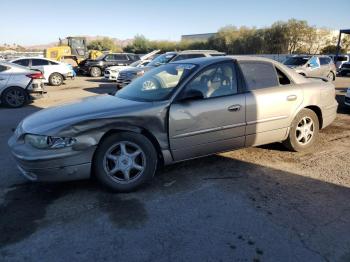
pixel 175 112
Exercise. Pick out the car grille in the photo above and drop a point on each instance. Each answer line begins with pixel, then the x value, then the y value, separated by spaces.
pixel 125 78
pixel 345 66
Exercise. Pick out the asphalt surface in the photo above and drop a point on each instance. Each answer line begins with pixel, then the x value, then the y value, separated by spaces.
pixel 255 204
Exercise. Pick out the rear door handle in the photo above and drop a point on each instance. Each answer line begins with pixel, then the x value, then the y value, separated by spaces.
pixel 234 108
pixel 292 98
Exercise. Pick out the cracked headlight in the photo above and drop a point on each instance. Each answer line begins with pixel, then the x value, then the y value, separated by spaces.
pixel 45 142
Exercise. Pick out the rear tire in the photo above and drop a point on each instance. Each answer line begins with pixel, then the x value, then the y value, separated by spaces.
pixel 55 79
pixel 124 161
pixel 14 97
pixel 304 131
pixel 331 76
pixel 95 71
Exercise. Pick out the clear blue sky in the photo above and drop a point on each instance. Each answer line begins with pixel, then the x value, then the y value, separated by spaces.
pixel 28 22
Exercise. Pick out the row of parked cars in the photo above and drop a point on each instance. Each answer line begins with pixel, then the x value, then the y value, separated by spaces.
pixel 125 67
pixel 23 79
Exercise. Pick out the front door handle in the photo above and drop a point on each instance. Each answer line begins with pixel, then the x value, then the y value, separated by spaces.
pixel 234 108
pixel 292 98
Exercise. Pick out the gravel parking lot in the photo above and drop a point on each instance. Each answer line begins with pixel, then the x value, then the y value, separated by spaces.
pixel 255 204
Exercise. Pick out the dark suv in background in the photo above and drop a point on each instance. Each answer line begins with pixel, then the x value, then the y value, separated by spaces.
pixel 127 75
pixel 95 67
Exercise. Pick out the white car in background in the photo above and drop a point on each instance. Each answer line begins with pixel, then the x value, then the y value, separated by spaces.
pixel 54 72
pixel 19 84
pixel 112 72
pixel 347 97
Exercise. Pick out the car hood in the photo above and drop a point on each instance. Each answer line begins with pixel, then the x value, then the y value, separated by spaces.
pixel 52 120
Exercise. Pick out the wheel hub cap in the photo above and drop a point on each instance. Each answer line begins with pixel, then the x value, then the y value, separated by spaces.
pixel 305 130
pixel 124 162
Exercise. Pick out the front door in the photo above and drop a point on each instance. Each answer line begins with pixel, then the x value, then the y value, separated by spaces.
pixel 211 124
pixel 4 76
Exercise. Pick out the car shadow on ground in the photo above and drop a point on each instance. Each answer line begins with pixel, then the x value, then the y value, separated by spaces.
pixel 307 208
pixel 109 88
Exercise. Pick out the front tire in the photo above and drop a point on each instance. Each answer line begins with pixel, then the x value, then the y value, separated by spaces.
pixel 95 71
pixel 56 79
pixel 124 161
pixel 14 97
pixel 303 132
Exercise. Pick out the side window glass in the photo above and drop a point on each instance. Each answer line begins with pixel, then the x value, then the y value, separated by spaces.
pixel 22 62
pixel 259 75
pixel 314 62
pixel 39 62
pixel 109 58
pixel 215 81
pixel 282 78
pixel 179 57
pixel 120 57
pixel 3 68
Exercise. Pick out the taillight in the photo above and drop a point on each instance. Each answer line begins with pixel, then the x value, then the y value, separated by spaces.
pixel 37 75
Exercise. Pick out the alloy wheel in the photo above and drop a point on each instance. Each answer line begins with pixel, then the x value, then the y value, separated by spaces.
pixel 305 130
pixel 15 98
pixel 124 162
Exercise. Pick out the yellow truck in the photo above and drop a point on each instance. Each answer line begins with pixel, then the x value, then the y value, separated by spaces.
pixel 71 50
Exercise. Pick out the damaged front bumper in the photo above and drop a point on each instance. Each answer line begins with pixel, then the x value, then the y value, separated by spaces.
pixel 52 164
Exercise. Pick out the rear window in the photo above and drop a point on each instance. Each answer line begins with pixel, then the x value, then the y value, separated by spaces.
pixel 296 61
pixel 259 75
pixel 22 62
pixel 39 62
pixel 325 60
pixel 134 57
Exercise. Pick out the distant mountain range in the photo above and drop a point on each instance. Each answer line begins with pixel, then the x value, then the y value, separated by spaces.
pixel 117 41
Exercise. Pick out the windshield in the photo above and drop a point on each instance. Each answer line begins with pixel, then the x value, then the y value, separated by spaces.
pixel 161 60
pixel 296 61
pixel 157 84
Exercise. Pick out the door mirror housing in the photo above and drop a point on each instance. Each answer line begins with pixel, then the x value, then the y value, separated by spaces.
pixel 192 95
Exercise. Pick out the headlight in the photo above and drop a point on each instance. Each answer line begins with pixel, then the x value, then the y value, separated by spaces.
pixel 140 73
pixel 45 142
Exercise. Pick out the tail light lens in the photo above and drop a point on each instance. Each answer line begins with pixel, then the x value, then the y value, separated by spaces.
pixel 37 75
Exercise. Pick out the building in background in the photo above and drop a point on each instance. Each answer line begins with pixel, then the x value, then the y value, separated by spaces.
pixel 197 37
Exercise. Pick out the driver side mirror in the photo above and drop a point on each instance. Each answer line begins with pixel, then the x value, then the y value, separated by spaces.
pixel 192 94
pixel 308 65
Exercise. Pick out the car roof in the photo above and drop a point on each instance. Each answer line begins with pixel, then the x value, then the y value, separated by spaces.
pixel 35 57
pixel 204 61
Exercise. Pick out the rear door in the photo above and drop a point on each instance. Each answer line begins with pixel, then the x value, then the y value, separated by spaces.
pixel 271 101
pixel 4 76
pixel 212 124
